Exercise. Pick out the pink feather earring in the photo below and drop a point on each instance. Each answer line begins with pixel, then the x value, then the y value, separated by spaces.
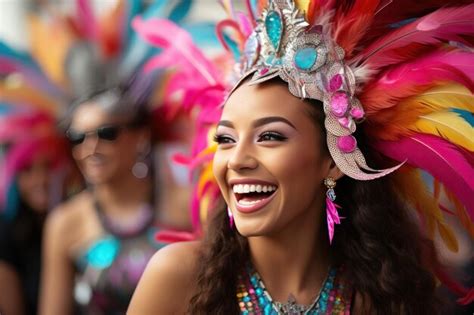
pixel 231 217
pixel 331 207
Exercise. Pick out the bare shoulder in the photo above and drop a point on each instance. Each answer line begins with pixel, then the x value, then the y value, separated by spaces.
pixel 169 281
pixel 65 220
pixel 70 211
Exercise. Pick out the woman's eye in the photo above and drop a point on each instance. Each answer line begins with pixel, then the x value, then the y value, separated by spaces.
pixel 223 139
pixel 271 136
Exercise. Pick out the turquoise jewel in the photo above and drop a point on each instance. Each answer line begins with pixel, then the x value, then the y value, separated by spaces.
pixel 102 254
pixel 274 28
pixel 305 58
pixel 268 309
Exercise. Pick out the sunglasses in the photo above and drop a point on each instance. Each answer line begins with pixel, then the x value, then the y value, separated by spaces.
pixel 109 133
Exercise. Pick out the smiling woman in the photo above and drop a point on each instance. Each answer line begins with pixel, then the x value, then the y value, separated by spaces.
pixel 268 139
pixel 314 212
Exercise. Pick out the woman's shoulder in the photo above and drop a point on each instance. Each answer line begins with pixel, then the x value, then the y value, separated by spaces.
pixel 66 220
pixel 169 281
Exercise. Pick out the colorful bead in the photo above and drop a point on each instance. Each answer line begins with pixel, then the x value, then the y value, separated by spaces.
pixel 102 254
pixel 347 144
pixel 339 104
pixel 332 298
pixel 335 83
pixel 357 113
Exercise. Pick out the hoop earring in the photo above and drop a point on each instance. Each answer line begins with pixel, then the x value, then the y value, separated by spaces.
pixel 140 168
pixel 231 217
pixel 331 207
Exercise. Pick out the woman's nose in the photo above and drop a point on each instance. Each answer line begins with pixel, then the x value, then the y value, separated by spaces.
pixel 242 157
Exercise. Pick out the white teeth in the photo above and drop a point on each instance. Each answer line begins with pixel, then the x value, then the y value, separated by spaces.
pixel 248 202
pixel 246 188
pixel 249 188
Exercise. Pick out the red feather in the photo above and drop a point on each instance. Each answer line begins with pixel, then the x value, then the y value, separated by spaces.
pixel 438 157
pixel 351 26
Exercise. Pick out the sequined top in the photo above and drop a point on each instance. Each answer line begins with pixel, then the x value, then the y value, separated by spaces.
pixel 253 298
pixel 110 268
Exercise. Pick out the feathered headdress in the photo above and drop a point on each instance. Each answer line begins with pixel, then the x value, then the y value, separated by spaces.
pixel 403 68
pixel 69 57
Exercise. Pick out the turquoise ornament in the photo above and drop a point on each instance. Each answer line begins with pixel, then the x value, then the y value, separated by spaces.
pixel 102 254
pixel 274 28
pixel 305 58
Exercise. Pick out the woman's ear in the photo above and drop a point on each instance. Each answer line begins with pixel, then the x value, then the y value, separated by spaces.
pixel 334 171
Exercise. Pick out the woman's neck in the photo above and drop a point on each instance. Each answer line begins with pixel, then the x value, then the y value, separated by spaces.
pixel 295 261
pixel 124 194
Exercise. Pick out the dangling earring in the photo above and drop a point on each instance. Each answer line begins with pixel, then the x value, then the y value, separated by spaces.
pixel 140 168
pixel 331 207
pixel 231 217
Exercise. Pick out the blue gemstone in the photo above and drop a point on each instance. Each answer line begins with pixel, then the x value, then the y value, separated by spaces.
pixel 259 291
pixel 305 58
pixel 331 194
pixel 102 254
pixel 262 301
pixel 268 309
pixel 274 28
pixel 246 299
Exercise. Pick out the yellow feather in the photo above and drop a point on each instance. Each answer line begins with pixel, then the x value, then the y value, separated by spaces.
pixel 302 5
pixel 445 97
pixel 412 187
pixel 449 126
pixel 206 176
pixel 461 212
pixel 21 93
pixel 447 236
pixel 390 124
pixel 50 44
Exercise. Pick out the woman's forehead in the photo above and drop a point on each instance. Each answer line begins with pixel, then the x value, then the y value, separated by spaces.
pixel 269 98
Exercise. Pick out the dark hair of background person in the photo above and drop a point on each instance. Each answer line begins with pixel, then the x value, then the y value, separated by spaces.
pixel 386 258
pixel 20 247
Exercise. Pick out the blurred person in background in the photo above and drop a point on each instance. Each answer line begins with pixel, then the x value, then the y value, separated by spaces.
pixel 72 54
pixel 35 176
pixel 103 237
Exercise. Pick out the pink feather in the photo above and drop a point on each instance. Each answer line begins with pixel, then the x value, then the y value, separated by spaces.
pixel 179 49
pixel 332 217
pixel 85 19
pixel 438 157
pixel 443 25
pixel 407 79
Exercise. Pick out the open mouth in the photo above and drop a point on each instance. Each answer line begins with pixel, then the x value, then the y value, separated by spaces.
pixel 250 194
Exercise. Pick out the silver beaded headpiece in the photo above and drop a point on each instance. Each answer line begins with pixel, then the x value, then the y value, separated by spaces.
pixel 283 44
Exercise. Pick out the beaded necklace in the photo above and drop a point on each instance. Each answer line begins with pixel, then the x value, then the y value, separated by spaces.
pixel 254 299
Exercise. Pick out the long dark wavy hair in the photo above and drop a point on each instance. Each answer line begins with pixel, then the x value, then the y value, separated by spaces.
pixel 387 259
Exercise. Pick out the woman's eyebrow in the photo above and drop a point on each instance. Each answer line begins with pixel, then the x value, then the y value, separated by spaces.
pixel 259 122
pixel 271 119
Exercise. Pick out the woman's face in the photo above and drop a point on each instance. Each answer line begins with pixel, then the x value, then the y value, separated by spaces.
pixel 104 160
pixel 33 185
pixel 269 164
